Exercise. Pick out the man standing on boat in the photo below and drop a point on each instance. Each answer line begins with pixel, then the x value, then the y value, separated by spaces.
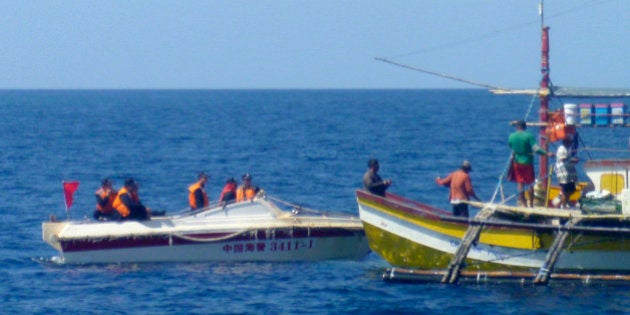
pixel 372 182
pixel 523 145
pixel 197 196
pixel 566 172
pixel 460 189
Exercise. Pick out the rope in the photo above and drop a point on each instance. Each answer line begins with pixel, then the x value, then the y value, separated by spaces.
pixel 499 187
pixel 531 106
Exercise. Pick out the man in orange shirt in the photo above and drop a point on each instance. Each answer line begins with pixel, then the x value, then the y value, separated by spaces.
pixel 460 189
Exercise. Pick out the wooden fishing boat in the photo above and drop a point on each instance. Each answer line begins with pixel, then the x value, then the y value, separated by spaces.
pixel 427 243
pixel 410 234
pixel 265 229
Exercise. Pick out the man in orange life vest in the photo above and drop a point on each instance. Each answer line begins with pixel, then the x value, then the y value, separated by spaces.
pixel 197 196
pixel 246 192
pixel 128 205
pixel 229 191
pixel 105 200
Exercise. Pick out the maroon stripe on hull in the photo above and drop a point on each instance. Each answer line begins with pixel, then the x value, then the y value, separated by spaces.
pixel 418 209
pixel 78 245
pixel 404 205
pixel 607 163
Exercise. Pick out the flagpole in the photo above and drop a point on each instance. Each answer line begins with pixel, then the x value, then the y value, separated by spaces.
pixel 69 188
pixel 65 203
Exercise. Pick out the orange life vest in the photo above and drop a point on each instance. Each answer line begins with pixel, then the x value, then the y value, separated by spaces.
pixel 243 194
pixel 120 206
pixel 109 206
pixel 192 201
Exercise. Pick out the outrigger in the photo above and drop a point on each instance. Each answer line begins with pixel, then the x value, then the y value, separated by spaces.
pixel 515 243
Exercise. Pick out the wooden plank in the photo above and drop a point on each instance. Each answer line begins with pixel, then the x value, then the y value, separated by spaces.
pixel 549 212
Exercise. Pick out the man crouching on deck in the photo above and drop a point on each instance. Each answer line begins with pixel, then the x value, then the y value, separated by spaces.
pixel 128 205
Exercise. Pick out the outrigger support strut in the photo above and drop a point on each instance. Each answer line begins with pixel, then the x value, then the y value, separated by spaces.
pixel 452 273
pixel 554 251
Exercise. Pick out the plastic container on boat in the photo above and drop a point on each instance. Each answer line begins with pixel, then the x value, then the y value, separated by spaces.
pixel 617 111
pixel 570 114
pixel 625 201
pixel 602 114
pixel 586 114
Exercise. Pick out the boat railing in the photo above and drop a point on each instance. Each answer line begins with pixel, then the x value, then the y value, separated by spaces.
pixel 297 209
pixel 280 205
pixel 186 212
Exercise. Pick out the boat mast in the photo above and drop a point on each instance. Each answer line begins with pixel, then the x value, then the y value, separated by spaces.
pixel 544 95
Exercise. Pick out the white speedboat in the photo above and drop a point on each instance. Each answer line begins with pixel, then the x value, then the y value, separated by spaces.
pixel 247 231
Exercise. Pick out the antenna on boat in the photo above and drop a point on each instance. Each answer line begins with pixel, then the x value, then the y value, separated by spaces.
pixel 541 12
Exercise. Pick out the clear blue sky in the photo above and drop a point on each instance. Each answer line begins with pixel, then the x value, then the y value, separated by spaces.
pixel 309 44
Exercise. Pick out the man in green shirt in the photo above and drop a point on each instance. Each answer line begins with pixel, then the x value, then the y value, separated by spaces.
pixel 523 145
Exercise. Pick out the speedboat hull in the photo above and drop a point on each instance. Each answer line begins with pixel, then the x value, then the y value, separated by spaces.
pixel 248 231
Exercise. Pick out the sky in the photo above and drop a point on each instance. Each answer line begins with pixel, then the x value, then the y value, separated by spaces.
pixel 315 44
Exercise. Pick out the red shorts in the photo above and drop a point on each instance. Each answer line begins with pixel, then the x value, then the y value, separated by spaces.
pixel 524 173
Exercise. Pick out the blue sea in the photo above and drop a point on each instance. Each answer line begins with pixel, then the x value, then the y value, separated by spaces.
pixel 309 147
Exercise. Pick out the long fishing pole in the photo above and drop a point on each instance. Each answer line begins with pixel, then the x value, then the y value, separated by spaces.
pixel 443 75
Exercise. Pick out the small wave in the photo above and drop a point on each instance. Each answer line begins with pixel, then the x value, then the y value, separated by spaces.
pixel 51 261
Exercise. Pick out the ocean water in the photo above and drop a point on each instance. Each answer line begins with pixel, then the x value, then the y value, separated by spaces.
pixel 306 146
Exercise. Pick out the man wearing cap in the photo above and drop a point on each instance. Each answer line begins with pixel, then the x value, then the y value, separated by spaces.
pixel 566 172
pixel 246 192
pixel 197 196
pixel 460 189
pixel 523 145
pixel 104 201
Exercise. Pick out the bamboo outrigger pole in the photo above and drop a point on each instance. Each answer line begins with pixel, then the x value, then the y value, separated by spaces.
pixel 443 75
pixel 472 234
pixel 553 252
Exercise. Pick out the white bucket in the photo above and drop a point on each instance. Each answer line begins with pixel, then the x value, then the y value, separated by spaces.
pixel 570 114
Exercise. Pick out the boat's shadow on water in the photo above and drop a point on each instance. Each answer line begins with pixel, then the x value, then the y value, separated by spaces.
pixel 56 264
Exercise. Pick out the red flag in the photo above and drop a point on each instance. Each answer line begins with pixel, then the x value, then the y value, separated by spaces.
pixel 68 192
